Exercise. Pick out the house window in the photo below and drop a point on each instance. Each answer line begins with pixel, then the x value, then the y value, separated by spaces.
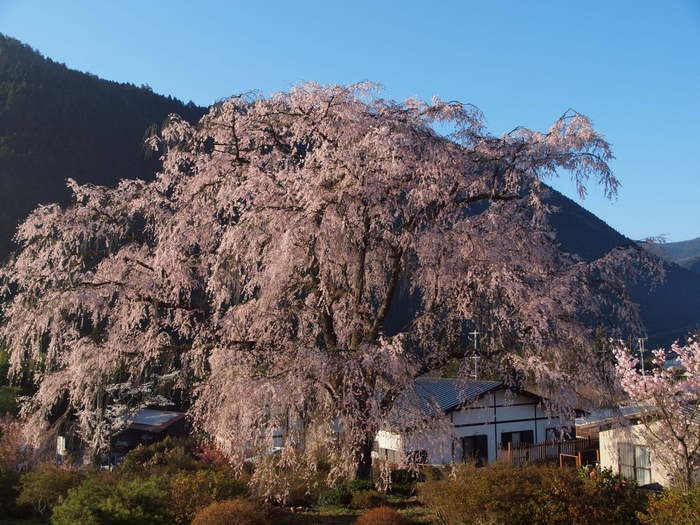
pixel 634 462
pixel 387 454
pixel 517 438
pixel 476 449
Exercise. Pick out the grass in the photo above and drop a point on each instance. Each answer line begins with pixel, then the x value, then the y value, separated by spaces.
pixel 411 508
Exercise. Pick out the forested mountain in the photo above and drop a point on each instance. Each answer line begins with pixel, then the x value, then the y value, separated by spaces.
pixel 57 123
pixel 670 309
pixel 684 253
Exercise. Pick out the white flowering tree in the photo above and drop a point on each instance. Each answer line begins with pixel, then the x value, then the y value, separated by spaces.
pixel 669 397
pixel 298 261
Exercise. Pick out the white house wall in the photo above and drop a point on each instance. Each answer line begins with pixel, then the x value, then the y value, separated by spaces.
pixel 438 447
pixel 609 457
pixel 389 440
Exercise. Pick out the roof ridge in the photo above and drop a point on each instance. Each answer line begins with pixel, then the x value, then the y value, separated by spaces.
pixel 457 380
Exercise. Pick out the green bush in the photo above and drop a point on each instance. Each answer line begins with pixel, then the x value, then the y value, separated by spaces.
pixel 356 485
pixel 109 500
pixel 8 492
pixel 617 499
pixel 42 489
pixel 167 456
pixel 367 499
pixel 4 366
pixel 341 495
pixel 403 481
pixel 232 512
pixel 403 489
pixel 673 507
pixel 8 399
pixel 335 497
pixel 532 495
pixel 192 491
pixel 404 476
pixel 381 516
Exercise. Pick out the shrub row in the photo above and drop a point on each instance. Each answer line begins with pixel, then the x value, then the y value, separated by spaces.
pixel 533 495
pixel 167 483
pixel 114 498
pixel 673 507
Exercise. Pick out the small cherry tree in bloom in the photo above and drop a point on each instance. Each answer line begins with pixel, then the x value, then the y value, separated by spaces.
pixel 15 456
pixel 298 261
pixel 669 397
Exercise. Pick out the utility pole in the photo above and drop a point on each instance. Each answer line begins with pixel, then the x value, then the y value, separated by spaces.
pixel 475 357
pixel 640 341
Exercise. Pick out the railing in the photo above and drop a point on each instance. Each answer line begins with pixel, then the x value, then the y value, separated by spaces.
pixel 578 451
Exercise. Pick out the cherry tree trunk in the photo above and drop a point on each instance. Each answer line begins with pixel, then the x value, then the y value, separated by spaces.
pixel 364 459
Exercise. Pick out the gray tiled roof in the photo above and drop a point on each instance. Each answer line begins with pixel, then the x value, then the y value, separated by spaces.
pixel 609 415
pixel 449 394
pixel 153 420
pixel 612 415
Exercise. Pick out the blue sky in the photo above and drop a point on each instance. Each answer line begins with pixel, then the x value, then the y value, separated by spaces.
pixel 632 66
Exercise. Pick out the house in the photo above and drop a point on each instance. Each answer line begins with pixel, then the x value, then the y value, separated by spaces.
pixel 143 427
pixel 480 419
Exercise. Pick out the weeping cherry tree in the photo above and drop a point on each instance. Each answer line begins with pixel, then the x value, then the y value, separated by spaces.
pixel 298 261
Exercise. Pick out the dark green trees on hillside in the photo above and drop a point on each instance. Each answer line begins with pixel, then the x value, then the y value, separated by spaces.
pixel 57 123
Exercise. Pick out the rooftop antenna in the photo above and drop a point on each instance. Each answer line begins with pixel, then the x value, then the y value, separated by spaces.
pixel 640 341
pixel 475 357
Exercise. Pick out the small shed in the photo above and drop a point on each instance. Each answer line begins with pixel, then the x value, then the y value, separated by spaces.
pixel 147 426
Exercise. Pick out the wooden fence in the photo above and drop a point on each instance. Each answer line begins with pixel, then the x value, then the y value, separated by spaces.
pixel 578 451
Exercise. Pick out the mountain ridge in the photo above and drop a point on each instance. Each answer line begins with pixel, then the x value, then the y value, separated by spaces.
pixel 683 253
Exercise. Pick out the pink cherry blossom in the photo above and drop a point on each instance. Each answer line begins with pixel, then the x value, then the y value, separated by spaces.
pixel 669 397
